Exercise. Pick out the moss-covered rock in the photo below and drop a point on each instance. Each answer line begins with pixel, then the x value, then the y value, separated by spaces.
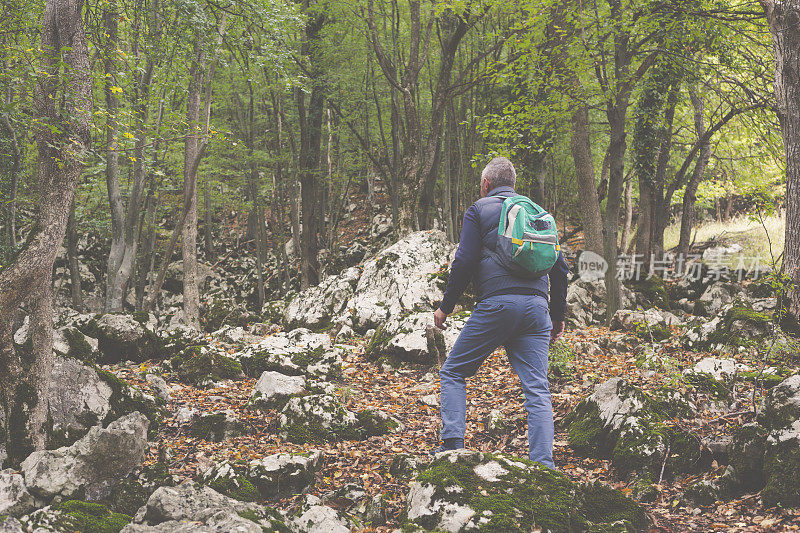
pixel 318 418
pixel 741 325
pixel 225 313
pixel 198 364
pixel 767 454
pixel 651 292
pixel 217 427
pixel 73 515
pixel 375 423
pixel 121 337
pixel 465 491
pixel 319 362
pixel 127 399
pixel 283 474
pixel 633 429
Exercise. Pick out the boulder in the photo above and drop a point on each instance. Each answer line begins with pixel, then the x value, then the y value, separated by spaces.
pixel 767 454
pixel 317 418
pixel 273 390
pixel 82 396
pixel 217 426
pixel 283 474
pixel 586 301
pixel 736 326
pixel 159 386
pixel 413 338
pixel 9 524
pixel 472 491
pixel 313 517
pixel 620 421
pixel 125 337
pixel 70 342
pixel 229 480
pixel 400 279
pixel 724 370
pixel 190 501
pixel 318 307
pixel 205 365
pixel 15 500
pixel 74 515
pixel 93 465
pixel 296 353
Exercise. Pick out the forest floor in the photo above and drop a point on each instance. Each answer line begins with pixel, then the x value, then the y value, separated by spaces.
pixel 398 391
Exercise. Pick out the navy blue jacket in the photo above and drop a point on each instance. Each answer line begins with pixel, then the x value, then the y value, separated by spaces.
pixel 475 261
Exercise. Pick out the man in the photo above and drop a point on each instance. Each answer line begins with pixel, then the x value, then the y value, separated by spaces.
pixel 511 311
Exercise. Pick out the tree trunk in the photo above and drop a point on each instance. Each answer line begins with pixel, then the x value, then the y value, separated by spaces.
pixel 191 154
pixel 208 222
pixel 126 220
pixel 581 147
pixel 690 196
pixel 16 166
pixel 784 23
pixel 114 290
pixel 311 116
pixel 200 84
pixel 626 226
pixel 72 260
pixel 25 378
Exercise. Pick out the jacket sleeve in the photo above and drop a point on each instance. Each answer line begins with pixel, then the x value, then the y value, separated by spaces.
pixel 466 260
pixel 558 289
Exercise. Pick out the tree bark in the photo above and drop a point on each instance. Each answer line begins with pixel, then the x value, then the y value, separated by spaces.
pixel 580 145
pixel 126 219
pixel 25 378
pixel 191 293
pixel 72 260
pixel 201 75
pixel 784 23
pixel 690 196
pixel 626 225
pixel 310 120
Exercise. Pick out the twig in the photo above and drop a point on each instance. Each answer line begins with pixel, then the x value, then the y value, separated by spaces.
pixel 663 465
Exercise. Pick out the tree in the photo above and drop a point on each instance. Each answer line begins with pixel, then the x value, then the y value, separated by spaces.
pixel 63 139
pixel 784 25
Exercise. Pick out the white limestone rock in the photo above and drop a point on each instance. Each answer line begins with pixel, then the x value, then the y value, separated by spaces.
pixel 93 465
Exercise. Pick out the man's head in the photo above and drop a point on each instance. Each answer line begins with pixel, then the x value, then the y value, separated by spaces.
pixel 497 173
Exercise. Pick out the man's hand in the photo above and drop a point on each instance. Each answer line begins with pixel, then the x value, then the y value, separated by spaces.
pixel 439 317
pixel 557 331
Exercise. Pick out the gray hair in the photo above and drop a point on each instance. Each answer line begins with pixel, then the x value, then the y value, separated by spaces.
pixel 500 171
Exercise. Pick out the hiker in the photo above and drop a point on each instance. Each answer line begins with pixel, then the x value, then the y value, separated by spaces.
pixel 512 311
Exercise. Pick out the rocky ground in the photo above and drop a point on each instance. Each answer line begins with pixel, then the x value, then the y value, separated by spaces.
pixel 318 415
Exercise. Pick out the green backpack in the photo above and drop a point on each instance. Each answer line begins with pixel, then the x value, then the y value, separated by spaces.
pixel 527 238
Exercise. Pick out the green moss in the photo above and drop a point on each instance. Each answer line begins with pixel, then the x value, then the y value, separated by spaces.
pixel 528 496
pixel 653 290
pixel 782 470
pixel 92 517
pixel 198 364
pixel 728 332
pixel 705 382
pixel 703 493
pixel 221 313
pixel 639 445
pixel 79 347
pixel 700 308
pixel 142 317
pixel 377 343
pixel 263 361
pixel 237 488
pixel 125 399
pixel 373 425
pixel 747 456
pixel 128 496
pixel 655 332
